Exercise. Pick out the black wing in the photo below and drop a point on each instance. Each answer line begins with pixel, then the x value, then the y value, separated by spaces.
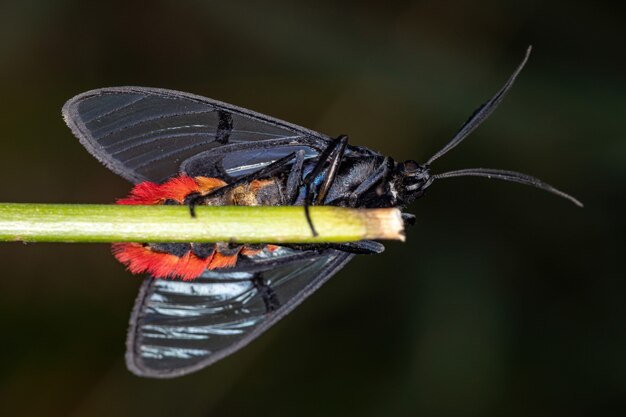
pixel 153 134
pixel 178 327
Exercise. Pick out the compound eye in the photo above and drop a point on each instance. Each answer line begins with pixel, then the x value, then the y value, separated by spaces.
pixel 410 167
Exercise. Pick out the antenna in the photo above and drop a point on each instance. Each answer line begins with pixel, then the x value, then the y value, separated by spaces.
pixel 479 116
pixel 481 113
pixel 511 176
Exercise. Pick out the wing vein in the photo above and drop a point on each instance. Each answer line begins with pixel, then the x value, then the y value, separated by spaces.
pixel 114 110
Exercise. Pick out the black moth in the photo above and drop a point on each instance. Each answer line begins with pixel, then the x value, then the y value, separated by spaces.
pixel 153 134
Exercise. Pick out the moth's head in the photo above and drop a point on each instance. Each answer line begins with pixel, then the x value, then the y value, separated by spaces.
pixel 411 180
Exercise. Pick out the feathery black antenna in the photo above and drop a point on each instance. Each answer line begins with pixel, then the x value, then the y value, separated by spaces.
pixel 479 116
pixel 511 176
pixel 482 113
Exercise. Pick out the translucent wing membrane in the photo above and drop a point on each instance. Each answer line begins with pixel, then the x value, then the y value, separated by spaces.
pixel 150 134
pixel 178 327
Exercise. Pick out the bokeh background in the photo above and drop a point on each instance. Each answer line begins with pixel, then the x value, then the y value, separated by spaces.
pixel 504 301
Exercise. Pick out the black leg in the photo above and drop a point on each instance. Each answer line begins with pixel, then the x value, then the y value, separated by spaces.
pixel 323 157
pixel 334 160
pixel 384 183
pixel 192 201
pixel 307 212
pixel 332 154
pixel 362 247
pixel 381 175
pixel 294 179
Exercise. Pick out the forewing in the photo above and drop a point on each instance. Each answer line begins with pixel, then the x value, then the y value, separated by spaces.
pixel 151 134
pixel 178 327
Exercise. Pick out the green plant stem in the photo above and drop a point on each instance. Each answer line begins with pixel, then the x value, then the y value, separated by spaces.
pixel 119 223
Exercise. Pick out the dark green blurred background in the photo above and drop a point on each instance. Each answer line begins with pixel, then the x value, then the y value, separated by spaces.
pixel 505 301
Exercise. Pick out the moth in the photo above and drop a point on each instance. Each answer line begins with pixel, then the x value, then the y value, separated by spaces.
pixel 202 302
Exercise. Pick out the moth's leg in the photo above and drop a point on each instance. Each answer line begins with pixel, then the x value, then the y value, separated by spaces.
pixel 334 160
pixel 294 179
pixel 275 167
pixel 333 154
pixel 362 247
pixel 388 170
pixel 379 176
pixel 192 200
